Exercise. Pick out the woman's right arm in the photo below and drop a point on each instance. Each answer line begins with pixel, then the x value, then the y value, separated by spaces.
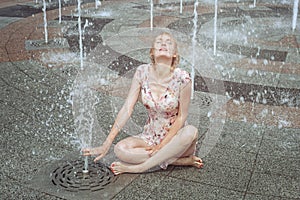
pixel 121 119
pixel 126 110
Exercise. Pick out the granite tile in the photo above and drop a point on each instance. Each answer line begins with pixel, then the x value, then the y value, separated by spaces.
pixel 241 136
pixel 234 158
pixel 173 188
pixel 215 175
pixel 281 148
pixel 143 185
pixel 276 116
pixel 250 196
pixel 274 164
pixel 275 184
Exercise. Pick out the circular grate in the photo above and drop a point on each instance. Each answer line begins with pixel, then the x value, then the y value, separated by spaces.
pixel 51 43
pixel 205 101
pixel 41 44
pixel 71 178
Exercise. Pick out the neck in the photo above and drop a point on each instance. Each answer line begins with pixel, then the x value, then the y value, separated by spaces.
pixel 162 71
pixel 163 65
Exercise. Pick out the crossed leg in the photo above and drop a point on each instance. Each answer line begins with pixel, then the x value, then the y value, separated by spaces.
pixel 179 151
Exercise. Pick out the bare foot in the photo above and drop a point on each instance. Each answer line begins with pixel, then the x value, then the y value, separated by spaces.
pixel 120 168
pixel 197 162
pixel 189 161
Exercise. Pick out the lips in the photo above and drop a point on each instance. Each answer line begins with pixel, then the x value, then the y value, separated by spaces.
pixel 163 49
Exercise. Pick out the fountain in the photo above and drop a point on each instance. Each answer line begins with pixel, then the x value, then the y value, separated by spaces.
pixel 194 42
pixel 80 34
pixel 181 6
pixel 245 53
pixel 86 97
pixel 59 11
pixel 215 26
pixel 97 3
pixel 45 21
pixel 295 14
pixel 151 15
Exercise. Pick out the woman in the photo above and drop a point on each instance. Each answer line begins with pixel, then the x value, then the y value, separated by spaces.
pixel 166 139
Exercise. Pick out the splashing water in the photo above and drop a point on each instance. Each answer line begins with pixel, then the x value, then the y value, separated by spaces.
pixel 151 15
pixel 45 21
pixel 80 34
pixel 59 11
pixel 180 7
pixel 195 20
pixel 215 26
pixel 97 3
pixel 295 14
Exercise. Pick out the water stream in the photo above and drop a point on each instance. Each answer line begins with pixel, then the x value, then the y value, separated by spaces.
pixel 194 42
pixel 45 21
pixel 59 11
pixel 80 34
pixel 295 14
pixel 215 26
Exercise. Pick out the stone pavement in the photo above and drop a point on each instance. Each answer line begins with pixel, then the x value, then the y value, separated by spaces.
pixel 245 105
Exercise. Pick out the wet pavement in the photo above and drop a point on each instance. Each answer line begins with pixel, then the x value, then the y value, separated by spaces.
pixel 246 99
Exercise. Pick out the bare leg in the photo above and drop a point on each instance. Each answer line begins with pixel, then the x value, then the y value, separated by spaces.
pixel 132 150
pixel 188 158
pixel 179 144
pixel 189 161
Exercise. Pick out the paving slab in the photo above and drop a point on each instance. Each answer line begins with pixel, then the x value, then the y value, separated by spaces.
pixel 252 154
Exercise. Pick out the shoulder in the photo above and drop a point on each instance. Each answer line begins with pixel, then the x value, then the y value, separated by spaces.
pixel 182 75
pixel 141 71
pixel 142 68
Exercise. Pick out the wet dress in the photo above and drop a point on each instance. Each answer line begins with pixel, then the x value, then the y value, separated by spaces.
pixel 162 112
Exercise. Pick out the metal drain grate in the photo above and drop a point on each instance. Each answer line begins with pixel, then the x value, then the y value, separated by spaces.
pixel 205 101
pixel 41 44
pixel 71 178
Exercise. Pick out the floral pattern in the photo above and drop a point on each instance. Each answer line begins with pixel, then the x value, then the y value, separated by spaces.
pixel 162 112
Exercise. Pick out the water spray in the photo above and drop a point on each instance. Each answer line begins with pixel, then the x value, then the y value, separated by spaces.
pixel 151 15
pixel 59 11
pixel 295 14
pixel 45 21
pixel 195 20
pixel 80 34
pixel 215 26
pixel 97 3
pixel 86 165
pixel 180 7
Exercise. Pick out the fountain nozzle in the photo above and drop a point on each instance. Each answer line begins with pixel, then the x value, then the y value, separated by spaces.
pixel 86 165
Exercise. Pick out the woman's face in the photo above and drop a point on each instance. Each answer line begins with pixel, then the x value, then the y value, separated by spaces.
pixel 164 45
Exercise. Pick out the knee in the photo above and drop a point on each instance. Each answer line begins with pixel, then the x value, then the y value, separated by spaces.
pixel 119 149
pixel 190 133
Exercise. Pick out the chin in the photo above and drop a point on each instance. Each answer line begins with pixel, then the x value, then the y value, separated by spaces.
pixel 167 55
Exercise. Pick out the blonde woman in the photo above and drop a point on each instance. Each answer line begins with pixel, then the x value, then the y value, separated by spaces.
pixel 166 137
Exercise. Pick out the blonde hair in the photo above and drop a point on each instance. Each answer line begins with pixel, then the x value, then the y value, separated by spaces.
pixel 176 57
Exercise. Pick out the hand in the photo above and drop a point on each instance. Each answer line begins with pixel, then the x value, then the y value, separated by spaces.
pixel 99 152
pixel 153 149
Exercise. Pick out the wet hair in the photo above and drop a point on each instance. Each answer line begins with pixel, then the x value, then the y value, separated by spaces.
pixel 176 57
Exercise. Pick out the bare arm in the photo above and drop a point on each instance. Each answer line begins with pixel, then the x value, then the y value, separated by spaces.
pixel 122 117
pixel 126 110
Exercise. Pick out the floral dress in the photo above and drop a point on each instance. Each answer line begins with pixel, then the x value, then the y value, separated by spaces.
pixel 162 112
